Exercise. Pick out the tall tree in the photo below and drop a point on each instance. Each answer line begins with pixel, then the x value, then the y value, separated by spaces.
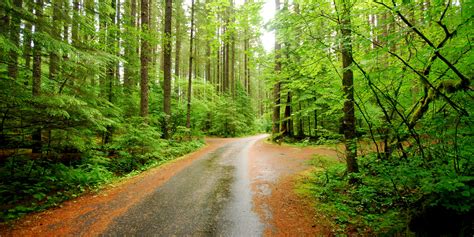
pixel 349 125
pixel 287 124
pixel 55 32
pixel 144 59
pixel 190 71
pixel 277 85
pixel 178 35
pixel 27 32
pixel 15 39
pixel 37 51
pixel 167 68
pixel 130 45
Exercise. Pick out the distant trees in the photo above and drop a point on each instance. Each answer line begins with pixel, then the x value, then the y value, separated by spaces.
pixel 107 55
pixel 87 90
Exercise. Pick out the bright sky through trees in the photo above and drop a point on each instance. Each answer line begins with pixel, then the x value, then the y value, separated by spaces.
pixel 268 36
pixel 267 13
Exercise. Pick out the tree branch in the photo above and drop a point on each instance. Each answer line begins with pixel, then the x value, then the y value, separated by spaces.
pixel 464 79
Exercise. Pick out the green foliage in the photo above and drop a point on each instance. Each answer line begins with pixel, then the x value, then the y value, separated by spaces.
pixel 33 185
pixel 136 137
pixel 391 193
pixel 231 118
pixel 79 128
pixel 412 66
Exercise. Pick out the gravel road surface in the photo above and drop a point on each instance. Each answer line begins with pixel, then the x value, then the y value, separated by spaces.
pixel 212 196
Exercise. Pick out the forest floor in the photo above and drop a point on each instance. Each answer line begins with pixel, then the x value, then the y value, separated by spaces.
pixel 233 186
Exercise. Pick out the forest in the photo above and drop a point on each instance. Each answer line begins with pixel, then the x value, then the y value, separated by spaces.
pixel 95 90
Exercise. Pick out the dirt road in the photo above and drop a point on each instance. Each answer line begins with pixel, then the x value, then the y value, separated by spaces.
pixel 232 187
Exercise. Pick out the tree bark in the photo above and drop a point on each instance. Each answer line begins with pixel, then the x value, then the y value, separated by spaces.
pixel 144 59
pixel 167 68
pixel 286 126
pixel 316 123
pixel 208 62
pixel 55 32
pixel 226 57
pixel 276 87
pixel 4 23
pixel 232 51
pixel 14 38
pixel 190 71
pixel 246 64
pixel 28 31
pixel 218 62
pixel 36 136
pixel 130 48
pixel 177 56
pixel 300 123
pixel 348 90
pixel 75 23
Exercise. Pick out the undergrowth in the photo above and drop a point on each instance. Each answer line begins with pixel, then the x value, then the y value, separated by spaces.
pixel 393 197
pixel 29 184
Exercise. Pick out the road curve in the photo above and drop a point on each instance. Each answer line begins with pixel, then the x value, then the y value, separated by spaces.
pixel 211 196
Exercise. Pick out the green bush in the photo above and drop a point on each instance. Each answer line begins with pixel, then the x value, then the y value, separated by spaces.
pixel 391 194
pixel 28 185
pixel 32 185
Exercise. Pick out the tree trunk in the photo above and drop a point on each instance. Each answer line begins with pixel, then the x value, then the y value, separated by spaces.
pixel 36 136
pixel 144 60
pixel 300 123
pixel 226 57
pixel 130 48
pixel 55 32
pixel 190 71
pixel 315 123
pixel 28 31
pixel 112 40
pixel 4 23
pixel 208 62
pixel 232 65
pixel 167 68
pixel 348 91
pixel 246 64
pixel 232 50
pixel 177 57
pixel 75 23
pixel 14 38
pixel 218 74
pixel 276 87
pixel 286 126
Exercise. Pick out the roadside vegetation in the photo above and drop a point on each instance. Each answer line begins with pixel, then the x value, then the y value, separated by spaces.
pixel 91 91
pixel 391 81
pixel 32 182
